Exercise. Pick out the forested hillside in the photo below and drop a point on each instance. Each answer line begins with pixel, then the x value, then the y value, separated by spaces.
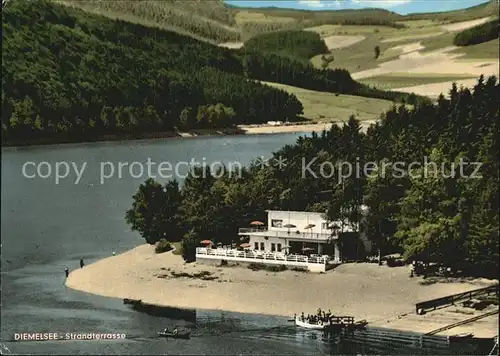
pixel 69 75
pixel 486 9
pixel 213 20
pixel 478 34
pixel 203 19
pixel 436 210
pixel 300 44
pixel 255 21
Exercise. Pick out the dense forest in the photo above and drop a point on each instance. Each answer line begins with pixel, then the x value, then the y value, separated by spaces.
pixel 300 44
pixel 435 211
pixel 291 71
pixel 478 34
pixel 68 75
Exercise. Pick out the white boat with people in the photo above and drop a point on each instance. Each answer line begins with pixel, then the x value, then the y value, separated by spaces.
pixel 307 325
pixel 327 321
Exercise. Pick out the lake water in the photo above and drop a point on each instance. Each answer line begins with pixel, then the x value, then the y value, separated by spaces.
pixel 47 227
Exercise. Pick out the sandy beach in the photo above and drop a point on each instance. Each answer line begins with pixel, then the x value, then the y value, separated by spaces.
pixel 271 129
pixel 317 127
pixel 367 291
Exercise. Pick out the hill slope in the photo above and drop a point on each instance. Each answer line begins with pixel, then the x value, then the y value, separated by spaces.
pixel 210 20
pixel 486 9
pixel 69 75
pixel 213 20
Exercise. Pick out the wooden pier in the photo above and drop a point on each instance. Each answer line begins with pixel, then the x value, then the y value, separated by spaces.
pixel 463 322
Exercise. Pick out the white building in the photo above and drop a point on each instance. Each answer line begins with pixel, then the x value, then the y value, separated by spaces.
pixel 297 231
pixel 293 239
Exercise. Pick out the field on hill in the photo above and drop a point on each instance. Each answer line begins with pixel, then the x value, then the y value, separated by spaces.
pixel 400 80
pixel 488 8
pixel 321 106
pixel 381 49
pixel 420 58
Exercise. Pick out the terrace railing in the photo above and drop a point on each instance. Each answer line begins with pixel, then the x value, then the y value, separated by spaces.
pixel 260 257
pixel 286 234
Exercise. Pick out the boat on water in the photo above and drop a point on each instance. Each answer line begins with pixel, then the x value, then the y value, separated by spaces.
pixel 313 326
pixel 330 324
pixel 175 335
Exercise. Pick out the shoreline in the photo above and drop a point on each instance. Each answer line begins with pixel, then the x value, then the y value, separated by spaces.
pixel 171 135
pixel 232 131
pixel 384 296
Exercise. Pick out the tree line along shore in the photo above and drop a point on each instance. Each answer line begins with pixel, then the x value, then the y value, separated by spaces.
pixel 448 216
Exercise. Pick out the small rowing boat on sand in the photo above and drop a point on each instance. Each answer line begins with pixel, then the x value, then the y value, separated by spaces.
pixel 132 301
pixel 460 337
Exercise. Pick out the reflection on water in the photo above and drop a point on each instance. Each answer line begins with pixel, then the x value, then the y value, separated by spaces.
pixel 166 312
pixel 216 332
pixel 278 330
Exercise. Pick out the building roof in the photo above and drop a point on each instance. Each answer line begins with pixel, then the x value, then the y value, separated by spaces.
pixel 293 211
pixel 363 208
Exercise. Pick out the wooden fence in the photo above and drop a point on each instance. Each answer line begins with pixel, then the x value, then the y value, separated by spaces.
pixel 451 299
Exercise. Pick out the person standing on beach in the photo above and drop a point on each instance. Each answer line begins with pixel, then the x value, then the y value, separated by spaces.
pixel 66 270
pixel 81 263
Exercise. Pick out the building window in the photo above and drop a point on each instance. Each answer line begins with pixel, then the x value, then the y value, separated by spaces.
pixel 279 247
pixel 256 245
pixel 273 247
pixel 262 246
pixel 276 223
pixel 324 226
